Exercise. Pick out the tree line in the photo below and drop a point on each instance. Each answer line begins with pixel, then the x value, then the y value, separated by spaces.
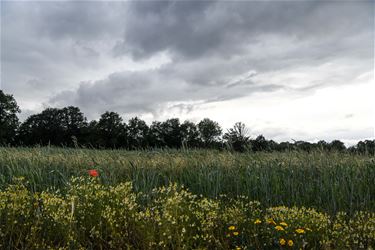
pixel 69 127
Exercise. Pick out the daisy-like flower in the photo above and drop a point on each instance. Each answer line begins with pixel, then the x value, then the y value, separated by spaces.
pixel 282 242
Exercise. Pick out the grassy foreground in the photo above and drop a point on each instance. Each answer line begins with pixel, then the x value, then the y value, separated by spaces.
pixel 327 182
pixel 185 200
pixel 91 215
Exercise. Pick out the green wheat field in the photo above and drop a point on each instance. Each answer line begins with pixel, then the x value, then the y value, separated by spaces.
pixel 185 199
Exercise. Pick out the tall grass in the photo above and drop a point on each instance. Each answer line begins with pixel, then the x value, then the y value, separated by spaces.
pixel 329 182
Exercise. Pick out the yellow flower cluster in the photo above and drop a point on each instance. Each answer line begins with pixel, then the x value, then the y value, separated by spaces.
pixel 283 242
pixel 257 222
pixel 168 217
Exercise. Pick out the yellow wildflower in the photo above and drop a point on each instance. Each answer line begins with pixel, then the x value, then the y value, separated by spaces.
pixel 238 248
pixel 236 233
pixel 232 228
pixel 228 235
pixel 300 231
pixel 290 243
pixel 279 228
pixel 282 242
pixel 283 224
pixel 257 221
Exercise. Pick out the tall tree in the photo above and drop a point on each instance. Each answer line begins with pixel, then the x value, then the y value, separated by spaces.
pixel 43 128
pixel 8 118
pixel 238 137
pixel 111 130
pixel 156 135
pixel 171 132
pixel 190 134
pixel 209 132
pixel 259 144
pixel 74 124
pixel 61 127
pixel 337 145
pixel 136 133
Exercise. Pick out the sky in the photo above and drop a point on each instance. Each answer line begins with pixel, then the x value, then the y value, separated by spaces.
pixel 290 70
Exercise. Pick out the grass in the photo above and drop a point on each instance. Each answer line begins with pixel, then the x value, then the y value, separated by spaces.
pixel 328 182
pixel 90 215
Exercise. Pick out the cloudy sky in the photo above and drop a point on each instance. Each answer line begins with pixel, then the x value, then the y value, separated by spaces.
pixel 288 69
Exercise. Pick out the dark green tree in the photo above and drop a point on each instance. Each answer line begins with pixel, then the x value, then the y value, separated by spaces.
pixel 190 135
pixel 61 127
pixel 322 145
pixel 366 147
pixel 136 133
pixel 209 132
pixel 156 135
pixel 74 124
pixel 43 128
pixel 337 145
pixel 111 130
pixel 8 118
pixel 259 144
pixel 171 133
pixel 238 137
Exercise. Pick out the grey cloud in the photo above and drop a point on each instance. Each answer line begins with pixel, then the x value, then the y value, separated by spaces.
pixel 216 51
pixel 197 29
pixel 149 92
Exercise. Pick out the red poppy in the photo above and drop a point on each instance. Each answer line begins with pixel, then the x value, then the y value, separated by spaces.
pixel 93 173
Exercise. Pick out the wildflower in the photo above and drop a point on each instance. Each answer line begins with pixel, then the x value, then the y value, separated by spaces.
pixel 279 228
pixel 232 228
pixel 257 221
pixel 228 235
pixel 282 242
pixel 300 231
pixel 290 243
pixel 283 224
pixel 238 248
pixel 271 221
pixel 93 173
pixel 236 233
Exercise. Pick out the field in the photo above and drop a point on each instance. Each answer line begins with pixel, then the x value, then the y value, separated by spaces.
pixel 194 199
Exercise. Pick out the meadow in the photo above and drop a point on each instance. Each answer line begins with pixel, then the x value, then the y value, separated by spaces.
pixel 185 199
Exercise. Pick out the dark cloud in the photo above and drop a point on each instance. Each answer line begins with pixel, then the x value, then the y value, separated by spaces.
pixel 198 29
pixel 145 57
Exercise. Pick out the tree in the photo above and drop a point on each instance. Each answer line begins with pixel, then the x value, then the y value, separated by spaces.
pixel 61 127
pixel 73 124
pixel 137 131
pixel 43 128
pixel 238 137
pixel 110 130
pixel 8 118
pixel 190 134
pixel 259 144
pixel 337 145
pixel 155 136
pixel 304 145
pixel 171 133
pixel 322 145
pixel 209 132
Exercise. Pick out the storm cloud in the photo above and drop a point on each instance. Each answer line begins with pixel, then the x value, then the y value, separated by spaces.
pixel 187 58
